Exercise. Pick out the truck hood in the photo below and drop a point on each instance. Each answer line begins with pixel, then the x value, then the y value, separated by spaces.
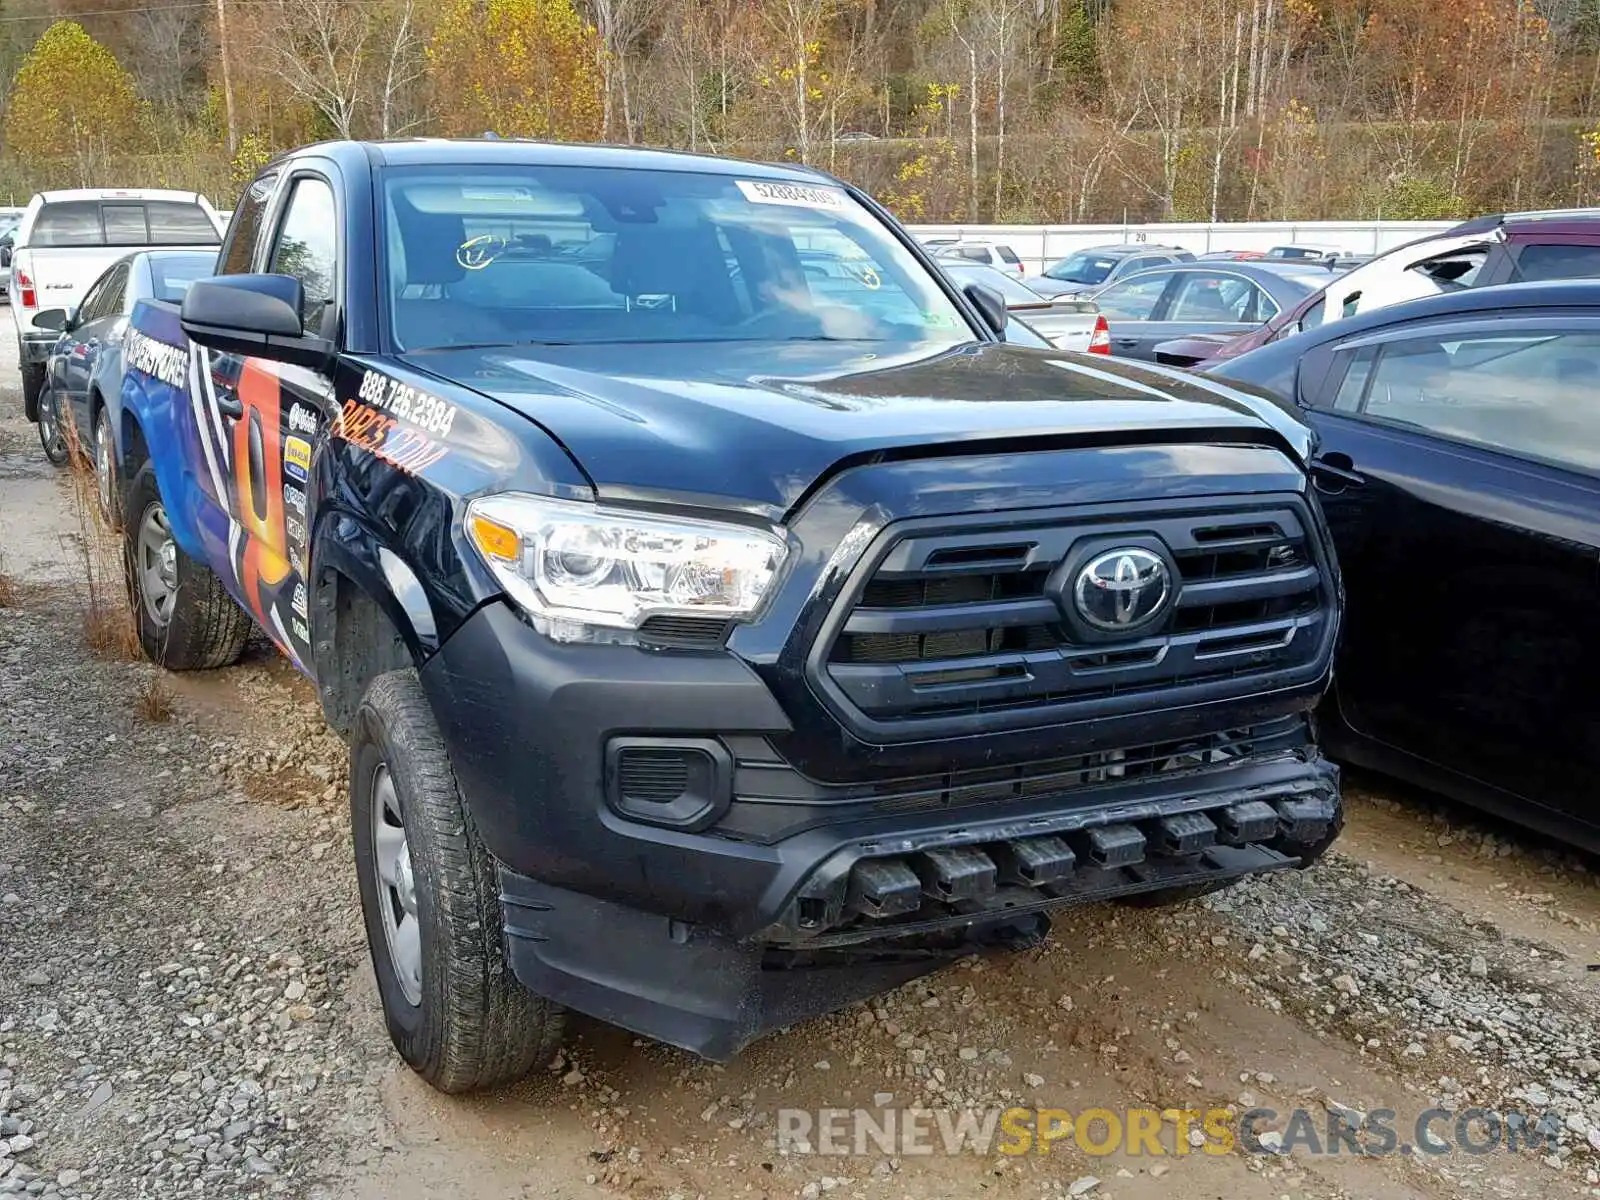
pixel 754 426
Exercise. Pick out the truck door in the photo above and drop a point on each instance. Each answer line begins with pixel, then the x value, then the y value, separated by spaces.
pixel 283 414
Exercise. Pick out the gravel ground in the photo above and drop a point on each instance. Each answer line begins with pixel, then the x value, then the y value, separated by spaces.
pixel 186 1006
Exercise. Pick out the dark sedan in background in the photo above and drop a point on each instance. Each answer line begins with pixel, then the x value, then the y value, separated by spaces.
pixel 84 374
pixel 1182 299
pixel 1459 469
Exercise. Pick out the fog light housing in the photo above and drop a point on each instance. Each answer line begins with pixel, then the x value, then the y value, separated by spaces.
pixel 677 783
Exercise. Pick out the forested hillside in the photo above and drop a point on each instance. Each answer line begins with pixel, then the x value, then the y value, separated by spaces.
pixel 1012 110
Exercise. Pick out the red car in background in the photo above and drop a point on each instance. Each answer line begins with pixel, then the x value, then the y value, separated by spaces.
pixel 1501 248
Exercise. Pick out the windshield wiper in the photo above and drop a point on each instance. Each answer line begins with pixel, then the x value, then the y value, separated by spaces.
pixel 507 345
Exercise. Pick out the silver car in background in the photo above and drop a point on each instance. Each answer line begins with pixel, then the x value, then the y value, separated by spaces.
pixel 1068 324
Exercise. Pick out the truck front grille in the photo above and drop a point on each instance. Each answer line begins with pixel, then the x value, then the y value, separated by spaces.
pixel 964 620
pixel 772 800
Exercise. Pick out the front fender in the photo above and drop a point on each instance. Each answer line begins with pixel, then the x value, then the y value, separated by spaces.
pixel 342 542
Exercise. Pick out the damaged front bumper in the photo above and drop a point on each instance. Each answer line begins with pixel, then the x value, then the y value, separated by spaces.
pixel 877 911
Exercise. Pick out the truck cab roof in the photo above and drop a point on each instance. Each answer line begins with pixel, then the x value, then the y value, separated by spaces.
pixel 432 152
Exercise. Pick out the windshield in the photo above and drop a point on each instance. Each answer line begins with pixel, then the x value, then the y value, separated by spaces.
pixel 1083 267
pixel 545 254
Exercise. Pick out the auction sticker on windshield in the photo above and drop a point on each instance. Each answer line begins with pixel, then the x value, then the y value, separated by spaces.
pixel 796 195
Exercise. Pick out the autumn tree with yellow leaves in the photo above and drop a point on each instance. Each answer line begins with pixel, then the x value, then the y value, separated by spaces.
pixel 969 110
pixel 71 100
pixel 519 68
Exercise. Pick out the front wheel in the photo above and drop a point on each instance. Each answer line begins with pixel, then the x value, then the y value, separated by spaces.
pixel 105 471
pixel 431 899
pixel 52 431
pixel 187 621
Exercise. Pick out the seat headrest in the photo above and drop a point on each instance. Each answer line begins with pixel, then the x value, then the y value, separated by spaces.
pixel 686 263
pixel 430 241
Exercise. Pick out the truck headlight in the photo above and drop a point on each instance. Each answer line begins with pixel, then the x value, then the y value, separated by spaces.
pixel 586 573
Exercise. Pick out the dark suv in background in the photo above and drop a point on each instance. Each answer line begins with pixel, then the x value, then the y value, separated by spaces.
pixel 1083 271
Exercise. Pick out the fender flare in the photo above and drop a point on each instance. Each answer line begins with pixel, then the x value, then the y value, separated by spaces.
pixel 342 542
pixel 151 411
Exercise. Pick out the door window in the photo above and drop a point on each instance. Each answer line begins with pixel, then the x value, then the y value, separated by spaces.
pixel 239 255
pixel 1201 296
pixel 1312 317
pixel 1134 300
pixel 91 299
pixel 109 303
pixel 307 248
pixel 1556 262
pixel 1449 272
pixel 1535 394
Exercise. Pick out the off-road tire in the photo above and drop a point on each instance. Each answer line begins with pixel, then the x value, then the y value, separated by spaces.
pixel 477 1026
pixel 206 628
pixel 32 386
pixel 1307 852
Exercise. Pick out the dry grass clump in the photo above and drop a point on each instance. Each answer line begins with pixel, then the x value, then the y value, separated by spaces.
pixel 108 619
pixel 155 701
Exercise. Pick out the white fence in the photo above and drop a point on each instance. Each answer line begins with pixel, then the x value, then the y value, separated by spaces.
pixel 1040 245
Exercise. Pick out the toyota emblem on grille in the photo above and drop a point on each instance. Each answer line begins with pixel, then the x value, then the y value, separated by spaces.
pixel 1123 589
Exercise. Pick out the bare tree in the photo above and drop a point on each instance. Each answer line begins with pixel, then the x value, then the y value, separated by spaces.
pixel 172 43
pixel 619 23
pixel 227 79
pixel 318 50
pixel 402 69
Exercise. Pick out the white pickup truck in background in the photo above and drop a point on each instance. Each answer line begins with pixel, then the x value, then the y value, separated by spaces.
pixel 66 241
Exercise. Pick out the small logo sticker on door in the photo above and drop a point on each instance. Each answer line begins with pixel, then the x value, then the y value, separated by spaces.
pixel 296 457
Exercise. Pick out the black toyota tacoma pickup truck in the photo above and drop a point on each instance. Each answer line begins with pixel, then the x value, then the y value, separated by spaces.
pixel 728 622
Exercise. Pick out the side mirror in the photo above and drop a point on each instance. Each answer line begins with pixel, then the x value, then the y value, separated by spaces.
pixel 255 315
pixel 5 256
pixel 56 319
pixel 991 306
